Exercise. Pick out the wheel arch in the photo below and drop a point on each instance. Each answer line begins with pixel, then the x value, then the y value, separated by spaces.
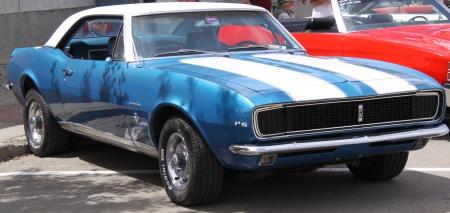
pixel 49 90
pixel 27 83
pixel 162 114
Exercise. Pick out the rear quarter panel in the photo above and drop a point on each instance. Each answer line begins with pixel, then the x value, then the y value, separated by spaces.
pixel 42 65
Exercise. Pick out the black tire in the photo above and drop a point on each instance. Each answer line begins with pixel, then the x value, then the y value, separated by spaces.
pixel 382 167
pixel 191 175
pixel 44 135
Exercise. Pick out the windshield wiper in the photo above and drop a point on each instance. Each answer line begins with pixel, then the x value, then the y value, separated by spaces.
pixel 189 52
pixel 265 47
pixel 182 52
pixel 249 48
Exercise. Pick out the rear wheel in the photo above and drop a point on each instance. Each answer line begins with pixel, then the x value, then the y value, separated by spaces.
pixel 44 135
pixel 190 172
pixel 381 167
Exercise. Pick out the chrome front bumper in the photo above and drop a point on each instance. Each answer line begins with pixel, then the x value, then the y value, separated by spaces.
pixel 8 86
pixel 316 145
pixel 447 93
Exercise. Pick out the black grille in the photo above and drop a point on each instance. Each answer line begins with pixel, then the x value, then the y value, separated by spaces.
pixel 345 114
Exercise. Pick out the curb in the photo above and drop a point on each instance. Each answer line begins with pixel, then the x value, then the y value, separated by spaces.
pixel 14 147
pixel 13 142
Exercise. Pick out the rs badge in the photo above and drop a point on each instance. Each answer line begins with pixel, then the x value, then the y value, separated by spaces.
pixel 243 124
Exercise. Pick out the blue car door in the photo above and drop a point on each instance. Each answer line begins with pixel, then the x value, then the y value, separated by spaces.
pixel 92 95
pixel 138 107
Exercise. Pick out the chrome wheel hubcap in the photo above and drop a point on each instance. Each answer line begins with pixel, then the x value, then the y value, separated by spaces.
pixel 178 165
pixel 35 124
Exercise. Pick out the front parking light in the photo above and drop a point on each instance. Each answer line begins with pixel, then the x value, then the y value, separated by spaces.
pixel 267 159
pixel 422 142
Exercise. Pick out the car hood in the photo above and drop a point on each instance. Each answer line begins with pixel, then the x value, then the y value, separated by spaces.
pixel 435 37
pixel 288 77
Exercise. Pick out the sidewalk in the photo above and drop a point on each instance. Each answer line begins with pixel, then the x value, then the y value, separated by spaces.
pixel 13 142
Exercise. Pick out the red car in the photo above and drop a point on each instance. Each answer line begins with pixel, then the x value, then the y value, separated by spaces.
pixel 237 35
pixel 410 33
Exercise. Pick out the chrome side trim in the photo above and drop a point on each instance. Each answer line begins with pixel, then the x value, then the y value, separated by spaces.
pixel 250 149
pixel 109 138
pixel 324 130
pixel 148 150
pixel 85 130
pixel 447 93
pixel 8 86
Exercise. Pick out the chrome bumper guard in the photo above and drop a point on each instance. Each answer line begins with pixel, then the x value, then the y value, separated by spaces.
pixel 8 86
pixel 316 145
pixel 447 93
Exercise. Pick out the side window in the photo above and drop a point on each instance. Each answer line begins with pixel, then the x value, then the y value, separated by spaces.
pixel 92 40
pixel 118 52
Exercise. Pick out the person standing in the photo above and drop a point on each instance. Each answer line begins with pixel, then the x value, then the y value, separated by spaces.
pixel 446 3
pixel 284 10
pixel 267 4
pixel 322 8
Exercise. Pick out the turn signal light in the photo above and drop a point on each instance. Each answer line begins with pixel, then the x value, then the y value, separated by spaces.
pixel 422 142
pixel 267 159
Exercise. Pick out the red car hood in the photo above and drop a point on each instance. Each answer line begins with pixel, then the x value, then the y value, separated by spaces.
pixel 434 37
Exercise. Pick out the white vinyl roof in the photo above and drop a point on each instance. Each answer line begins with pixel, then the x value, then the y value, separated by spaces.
pixel 147 8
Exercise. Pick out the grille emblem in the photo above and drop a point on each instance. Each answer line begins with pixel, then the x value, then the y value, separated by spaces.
pixel 360 113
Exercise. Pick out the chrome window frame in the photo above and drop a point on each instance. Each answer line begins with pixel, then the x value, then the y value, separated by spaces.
pixel 130 55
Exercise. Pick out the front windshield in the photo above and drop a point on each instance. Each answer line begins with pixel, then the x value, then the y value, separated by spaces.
pixel 200 32
pixel 370 14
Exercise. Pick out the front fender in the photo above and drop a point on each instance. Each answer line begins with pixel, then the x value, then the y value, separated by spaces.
pixel 391 67
pixel 222 115
pixel 221 111
pixel 224 119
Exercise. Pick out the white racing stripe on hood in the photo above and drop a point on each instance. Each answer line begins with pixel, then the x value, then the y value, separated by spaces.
pixel 298 86
pixel 380 81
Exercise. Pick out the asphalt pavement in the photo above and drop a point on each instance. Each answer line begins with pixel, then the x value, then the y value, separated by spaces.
pixel 101 178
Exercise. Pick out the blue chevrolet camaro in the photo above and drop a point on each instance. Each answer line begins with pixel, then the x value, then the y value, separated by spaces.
pixel 214 88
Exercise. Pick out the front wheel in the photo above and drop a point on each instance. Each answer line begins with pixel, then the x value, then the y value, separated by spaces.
pixel 44 135
pixel 381 167
pixel 190 172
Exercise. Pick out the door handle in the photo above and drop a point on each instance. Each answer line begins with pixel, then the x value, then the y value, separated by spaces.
pixel 67 72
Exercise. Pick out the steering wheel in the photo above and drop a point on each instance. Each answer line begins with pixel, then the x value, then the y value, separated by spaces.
pixel 351 21
pixel 246 43
pixel 414 18
pixel 354 20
